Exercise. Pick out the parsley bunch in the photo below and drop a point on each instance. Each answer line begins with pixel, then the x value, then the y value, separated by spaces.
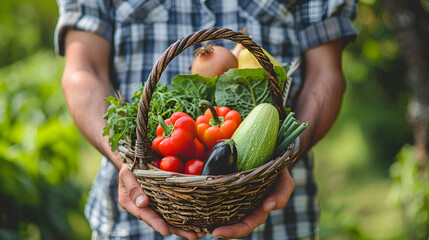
pixel 121 116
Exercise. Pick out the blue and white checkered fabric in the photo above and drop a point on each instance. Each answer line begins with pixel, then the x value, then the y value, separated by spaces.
pixel 141 30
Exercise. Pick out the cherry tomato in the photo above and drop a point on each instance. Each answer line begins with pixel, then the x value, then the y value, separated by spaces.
pixel 171 164
pixel 193 167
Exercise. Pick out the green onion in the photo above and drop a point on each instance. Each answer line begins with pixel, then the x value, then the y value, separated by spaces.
pixel 292 127
pixel 290 138
pixel 285 125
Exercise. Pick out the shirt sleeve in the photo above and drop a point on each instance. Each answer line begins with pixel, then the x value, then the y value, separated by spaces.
pixel 321 21
pixel 89 15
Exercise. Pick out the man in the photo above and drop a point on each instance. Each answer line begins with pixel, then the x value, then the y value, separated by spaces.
pixel 119 41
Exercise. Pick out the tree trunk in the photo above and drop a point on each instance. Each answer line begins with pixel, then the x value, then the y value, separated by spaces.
pixel 411 23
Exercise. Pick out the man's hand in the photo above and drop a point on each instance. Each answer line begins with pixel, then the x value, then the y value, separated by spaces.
pixel 276 200
pixel 133 199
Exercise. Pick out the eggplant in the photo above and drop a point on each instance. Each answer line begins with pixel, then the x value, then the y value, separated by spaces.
pixel 222 159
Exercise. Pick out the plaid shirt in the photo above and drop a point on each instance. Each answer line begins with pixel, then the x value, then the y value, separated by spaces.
pixel 141 30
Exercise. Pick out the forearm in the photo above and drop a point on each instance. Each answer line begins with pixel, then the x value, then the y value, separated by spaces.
pixel 86 84
pixel 319 106
pixel 320 99
pixel 85 95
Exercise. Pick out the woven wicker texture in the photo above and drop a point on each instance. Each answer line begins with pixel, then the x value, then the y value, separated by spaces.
pixel 202 203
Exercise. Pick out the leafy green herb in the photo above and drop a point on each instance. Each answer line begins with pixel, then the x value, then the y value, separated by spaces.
pixel 121 122
pixel 194 86
pixel 243 89
pixel 164 103
pixel 121 116
pixel 190 89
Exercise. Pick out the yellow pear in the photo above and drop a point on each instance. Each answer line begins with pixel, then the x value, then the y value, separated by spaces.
pixel 247 60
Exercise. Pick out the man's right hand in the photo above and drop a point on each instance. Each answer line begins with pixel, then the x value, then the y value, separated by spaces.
pixel 133 199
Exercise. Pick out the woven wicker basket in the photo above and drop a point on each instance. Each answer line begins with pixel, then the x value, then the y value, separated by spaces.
pixel 202 203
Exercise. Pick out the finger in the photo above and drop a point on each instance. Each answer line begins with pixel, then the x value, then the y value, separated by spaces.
pixel 243 228
pixel 127 200
pixel 151 218
pixel 183 233
pixel 279 197
pixel 133 188
pixel 201 234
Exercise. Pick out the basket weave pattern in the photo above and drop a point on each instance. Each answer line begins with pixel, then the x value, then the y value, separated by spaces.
pixel 202 203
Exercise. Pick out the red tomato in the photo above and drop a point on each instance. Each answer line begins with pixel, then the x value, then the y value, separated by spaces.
pixel 193 167
pixel 171 164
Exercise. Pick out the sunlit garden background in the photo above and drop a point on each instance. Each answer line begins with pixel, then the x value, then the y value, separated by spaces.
pixel 368 180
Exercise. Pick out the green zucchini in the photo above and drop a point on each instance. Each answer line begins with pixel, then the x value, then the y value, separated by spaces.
pixel 256 137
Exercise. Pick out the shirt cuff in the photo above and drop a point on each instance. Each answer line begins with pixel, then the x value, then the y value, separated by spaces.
pixel 78 21
pixel 326 31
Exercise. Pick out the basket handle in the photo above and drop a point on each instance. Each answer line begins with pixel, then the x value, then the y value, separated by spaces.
pixel 143 148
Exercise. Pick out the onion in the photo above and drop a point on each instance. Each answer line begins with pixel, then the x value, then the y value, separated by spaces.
pixel 212 61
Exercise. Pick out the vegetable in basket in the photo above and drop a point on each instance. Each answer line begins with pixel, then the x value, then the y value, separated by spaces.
pixel 256 137
pixel 288 131
pixel 171 164
pixel 193 166
pixel 222 159
pixel 212 61
pixel 247 60
pixel 244 89
pixel 175 135
pixel 217 123
pixel 198 152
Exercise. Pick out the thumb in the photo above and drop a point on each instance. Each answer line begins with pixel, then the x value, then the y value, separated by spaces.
pixel 128 182
pixel 281 193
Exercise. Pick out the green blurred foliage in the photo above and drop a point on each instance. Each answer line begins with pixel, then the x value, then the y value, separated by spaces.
pixel 25 27
pixel 41 195
pixel 377 94
pixel 45 175
pixel 38 158
pixel 410 190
